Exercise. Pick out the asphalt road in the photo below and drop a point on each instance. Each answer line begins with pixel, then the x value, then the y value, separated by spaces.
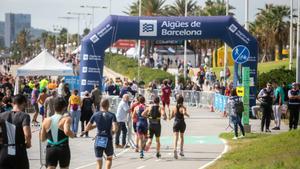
pixel 202 145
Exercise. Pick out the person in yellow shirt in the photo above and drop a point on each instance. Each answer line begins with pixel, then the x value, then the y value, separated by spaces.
pixel 74 108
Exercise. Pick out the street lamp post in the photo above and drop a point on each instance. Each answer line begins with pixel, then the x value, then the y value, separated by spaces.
pixel 139 42
pixel 298 41
pixel 78 20
pixel 93 11
pixel 68 18
pixel 184 52
pixel 291 35
pixel 225 48
pixel 56 29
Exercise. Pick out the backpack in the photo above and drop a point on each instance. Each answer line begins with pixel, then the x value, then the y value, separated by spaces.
pixel 238 107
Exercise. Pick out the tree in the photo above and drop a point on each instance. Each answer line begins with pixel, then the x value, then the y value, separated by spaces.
pixel 149 8
pixel 216 8
pixel 271 28
pixel 86 31
pixel 178 8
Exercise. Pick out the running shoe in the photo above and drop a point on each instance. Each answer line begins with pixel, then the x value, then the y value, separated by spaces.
pixel 234 138
pixel 141 154
pixel 175 155
pixel 158 155
pixel 241 136
pixel 181 154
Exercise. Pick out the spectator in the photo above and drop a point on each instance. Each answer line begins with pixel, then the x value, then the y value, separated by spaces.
pixel 60 90
pixel 96 96
pixel 266 95
pixel 41 100
pixel 236 110
pixel 87 109
pixel 294 104
pixel 122 116
pixel 49 104
pixel 279 100
pixel 34 103
pixel 74 108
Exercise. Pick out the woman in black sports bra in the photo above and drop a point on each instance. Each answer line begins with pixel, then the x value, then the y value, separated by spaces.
pixel 179 124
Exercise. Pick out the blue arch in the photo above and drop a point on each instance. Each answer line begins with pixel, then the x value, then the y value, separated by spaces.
pixel 116 27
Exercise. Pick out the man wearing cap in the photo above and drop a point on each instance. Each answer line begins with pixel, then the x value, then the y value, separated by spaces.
pixel 266 95
pixel 294 105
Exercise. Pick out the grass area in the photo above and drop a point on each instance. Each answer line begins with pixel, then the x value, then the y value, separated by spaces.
pixel 262 67
pixel 263 151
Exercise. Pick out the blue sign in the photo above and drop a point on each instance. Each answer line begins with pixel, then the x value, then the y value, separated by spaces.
pixel 73 82
pixel 240 54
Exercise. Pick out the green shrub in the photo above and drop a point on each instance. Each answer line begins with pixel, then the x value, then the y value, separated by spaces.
pixel 279 75
pixel 129 67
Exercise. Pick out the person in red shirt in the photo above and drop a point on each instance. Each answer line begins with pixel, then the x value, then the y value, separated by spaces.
pixel 135 119
pixel 165 97
pixel 228 89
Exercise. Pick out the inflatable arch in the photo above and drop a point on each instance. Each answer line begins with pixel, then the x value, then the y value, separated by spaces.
pixel 225 28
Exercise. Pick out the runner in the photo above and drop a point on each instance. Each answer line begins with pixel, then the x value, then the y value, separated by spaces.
pixel 154 114
pixel 74 108
pixel 17 122
pixel 135 119
pixel 106 124
pixel 56 130
pixel 141 125
pixel 179 124
pixel 165 98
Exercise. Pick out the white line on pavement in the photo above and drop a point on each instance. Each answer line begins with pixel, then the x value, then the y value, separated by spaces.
pixel 94 163
pixel 224 151
pixel 140 167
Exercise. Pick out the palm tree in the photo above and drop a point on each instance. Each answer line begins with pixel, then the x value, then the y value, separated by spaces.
pixel 149 8
pixel 178 8
pixel 216 8
pixel 271 28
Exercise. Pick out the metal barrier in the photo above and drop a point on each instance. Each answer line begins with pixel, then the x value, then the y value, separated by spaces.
pixel 220 102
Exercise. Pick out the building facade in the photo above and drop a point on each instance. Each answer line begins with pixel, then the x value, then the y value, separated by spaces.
pixel 14 24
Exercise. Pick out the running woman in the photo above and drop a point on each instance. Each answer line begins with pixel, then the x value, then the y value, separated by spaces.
pixel 141 125
pixel 179 124
pixel 154 114
pixel 165 97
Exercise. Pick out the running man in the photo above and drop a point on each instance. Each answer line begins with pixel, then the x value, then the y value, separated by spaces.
pixel 154 114
pixel 135 119
pixel 56 130
pixel 141 125
pixel 106 124
pixel 179 124
pixel 165 97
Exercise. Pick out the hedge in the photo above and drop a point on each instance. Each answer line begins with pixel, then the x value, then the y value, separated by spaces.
pixel 279 75
pixel 129 67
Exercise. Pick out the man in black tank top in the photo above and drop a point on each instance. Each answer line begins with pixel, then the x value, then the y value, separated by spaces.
pixel 154 114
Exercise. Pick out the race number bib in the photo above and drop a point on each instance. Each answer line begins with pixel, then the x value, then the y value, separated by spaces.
pixel 101 141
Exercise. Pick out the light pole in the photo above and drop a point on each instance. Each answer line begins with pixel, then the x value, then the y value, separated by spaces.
pixel 139 42
pixel 225 48
pixel 298 47
pixel 68 18
pixel 56 29
pixel 246 14
pixel 93 11
pixel 78 20
pixel 291 35
pixel 184 51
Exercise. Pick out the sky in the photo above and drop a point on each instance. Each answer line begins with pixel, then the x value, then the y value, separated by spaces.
pixel 45 13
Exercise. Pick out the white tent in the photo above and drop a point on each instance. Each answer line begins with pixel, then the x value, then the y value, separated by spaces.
pixel 44 64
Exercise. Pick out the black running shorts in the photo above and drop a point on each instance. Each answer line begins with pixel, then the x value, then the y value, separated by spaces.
pixel 58 154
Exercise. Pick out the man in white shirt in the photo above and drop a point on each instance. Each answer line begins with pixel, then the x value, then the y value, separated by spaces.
pixel 122 116
pixel 60 90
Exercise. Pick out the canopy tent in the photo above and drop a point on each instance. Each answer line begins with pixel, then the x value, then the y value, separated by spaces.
pixel 44 64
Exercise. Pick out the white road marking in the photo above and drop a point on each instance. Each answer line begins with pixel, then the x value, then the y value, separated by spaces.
pixel 140 167
pixel 213 161
pixel 94 163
